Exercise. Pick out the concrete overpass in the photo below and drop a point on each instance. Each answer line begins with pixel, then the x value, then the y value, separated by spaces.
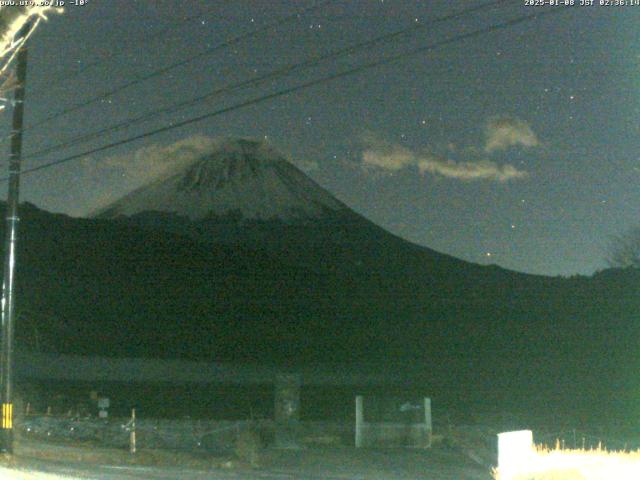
pixel 44 366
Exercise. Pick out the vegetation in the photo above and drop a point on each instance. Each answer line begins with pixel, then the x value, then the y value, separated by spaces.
pixel 624 250
pixel 100 287
pixel 578 464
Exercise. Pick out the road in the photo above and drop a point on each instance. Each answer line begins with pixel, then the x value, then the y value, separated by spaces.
pixel 44 461
pixel 36 469
pixel 49 471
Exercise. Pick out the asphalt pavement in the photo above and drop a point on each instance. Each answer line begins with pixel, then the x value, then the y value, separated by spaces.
pixel 38 470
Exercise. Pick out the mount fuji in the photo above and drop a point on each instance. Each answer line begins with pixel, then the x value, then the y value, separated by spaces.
pixel 245 193
pixel 242 178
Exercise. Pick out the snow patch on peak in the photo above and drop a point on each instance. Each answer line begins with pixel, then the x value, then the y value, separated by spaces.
pixel 238 176
pixel 246 148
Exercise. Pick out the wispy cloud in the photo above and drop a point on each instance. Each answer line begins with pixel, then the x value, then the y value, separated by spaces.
pixel 481 170
pixel 149 163
pixel 386 156
pixel 389 157
pixel 505 132
pixel 115 176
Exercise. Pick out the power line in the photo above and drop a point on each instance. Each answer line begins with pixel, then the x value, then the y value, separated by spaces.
pixel 285 71
pixel 352 71
pixel 124 47
pixel 173 66
pixel 287 91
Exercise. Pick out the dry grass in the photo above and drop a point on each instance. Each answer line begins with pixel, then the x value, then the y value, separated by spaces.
pixel 248 447
pixel 579 464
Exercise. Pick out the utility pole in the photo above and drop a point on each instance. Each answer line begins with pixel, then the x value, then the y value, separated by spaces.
pixel 11 236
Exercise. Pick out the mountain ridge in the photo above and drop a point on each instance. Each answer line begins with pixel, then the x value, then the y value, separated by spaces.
pixel 214 198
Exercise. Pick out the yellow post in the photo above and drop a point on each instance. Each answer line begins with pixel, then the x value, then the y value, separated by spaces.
pixel 7 416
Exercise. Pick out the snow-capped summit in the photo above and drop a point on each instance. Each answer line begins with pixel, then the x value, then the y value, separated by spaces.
pixel 239 176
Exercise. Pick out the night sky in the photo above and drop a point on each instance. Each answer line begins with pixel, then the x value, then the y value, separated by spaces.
pixel 518 147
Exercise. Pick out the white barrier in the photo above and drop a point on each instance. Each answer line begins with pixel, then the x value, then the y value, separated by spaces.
pixel 515 450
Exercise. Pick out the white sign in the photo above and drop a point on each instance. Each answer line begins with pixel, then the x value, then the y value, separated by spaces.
pixel 515 450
